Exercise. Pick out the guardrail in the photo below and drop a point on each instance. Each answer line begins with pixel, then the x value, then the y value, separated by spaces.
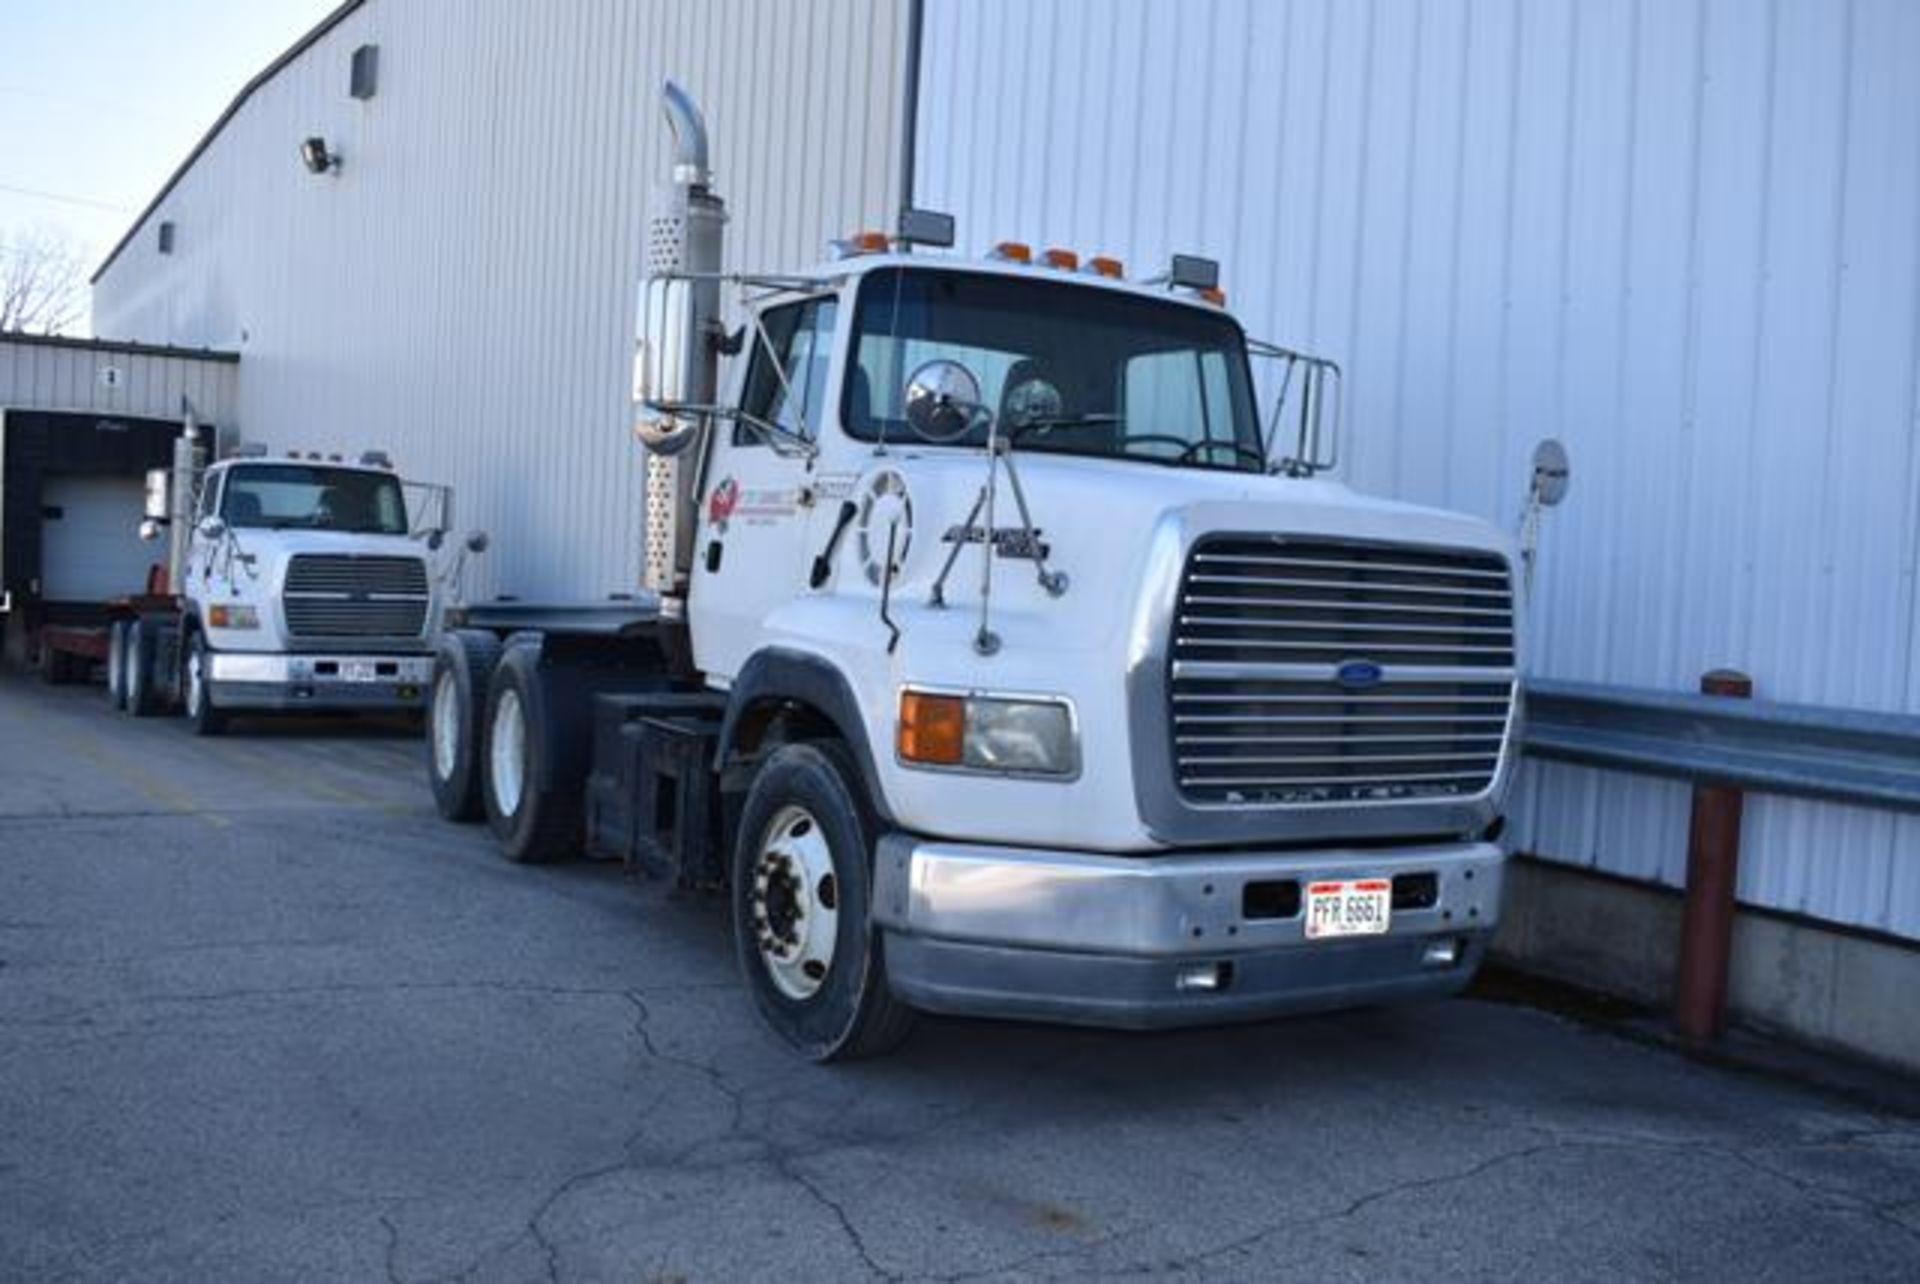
pixel 1724 742
pixel 1807 751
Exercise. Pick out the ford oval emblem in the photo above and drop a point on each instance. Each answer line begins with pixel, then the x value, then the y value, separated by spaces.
pixel 1357 675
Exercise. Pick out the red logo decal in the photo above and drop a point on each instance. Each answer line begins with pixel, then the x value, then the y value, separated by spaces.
pixel 721 503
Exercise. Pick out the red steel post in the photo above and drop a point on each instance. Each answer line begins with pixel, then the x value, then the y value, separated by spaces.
pixel 1713 869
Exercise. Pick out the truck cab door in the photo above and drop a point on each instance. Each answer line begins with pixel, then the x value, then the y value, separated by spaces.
pixel 197 564
pixel 750 546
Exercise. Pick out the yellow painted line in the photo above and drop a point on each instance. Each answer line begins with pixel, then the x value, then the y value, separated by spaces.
pixel 240 759
pixel 132 774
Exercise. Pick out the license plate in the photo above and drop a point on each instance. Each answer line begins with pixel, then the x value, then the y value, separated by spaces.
pixel 358 671
pixel 1357 907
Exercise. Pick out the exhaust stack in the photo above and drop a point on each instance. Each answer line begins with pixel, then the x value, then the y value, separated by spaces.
pixel 689 136
pixel 676 366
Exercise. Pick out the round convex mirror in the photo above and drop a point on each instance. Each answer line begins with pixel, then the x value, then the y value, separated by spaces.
pixel 1550 472
pixel 1030 402
pixel 943 401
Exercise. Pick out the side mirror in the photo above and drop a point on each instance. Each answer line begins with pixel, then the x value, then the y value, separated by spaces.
pixel 158 500
pixel 675 364
pixel 476 541
pixel 1551 473
pixel 212 528
pixel 942 401
pixel 149 530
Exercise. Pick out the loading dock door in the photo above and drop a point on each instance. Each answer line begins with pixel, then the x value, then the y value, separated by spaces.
pixel 45 451
pixel 90 538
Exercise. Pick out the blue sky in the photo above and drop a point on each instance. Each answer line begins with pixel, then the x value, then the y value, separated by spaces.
pixel 101 99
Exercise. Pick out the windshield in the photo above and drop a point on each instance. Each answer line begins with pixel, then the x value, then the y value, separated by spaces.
pixel 313 497
pixel 1063 367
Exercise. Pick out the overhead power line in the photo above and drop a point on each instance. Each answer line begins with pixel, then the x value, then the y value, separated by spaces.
pixel 64 199
pixel 92 103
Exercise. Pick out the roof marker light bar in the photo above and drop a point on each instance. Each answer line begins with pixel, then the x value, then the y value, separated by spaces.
pixel 860 243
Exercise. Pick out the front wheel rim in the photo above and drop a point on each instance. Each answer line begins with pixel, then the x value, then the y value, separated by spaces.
pixel 507 752
pixel 196 682
pixel 794 909
pixel 446 731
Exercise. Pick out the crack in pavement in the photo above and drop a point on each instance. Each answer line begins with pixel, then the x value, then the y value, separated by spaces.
pixel 1834 1201
pixel 784 1164
pixel 393 1249
pixel 81 1017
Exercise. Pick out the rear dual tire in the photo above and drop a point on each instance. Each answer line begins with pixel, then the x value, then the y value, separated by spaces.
pixel 532 771
pixel 456 728
pixel 117 663
pixel 142 700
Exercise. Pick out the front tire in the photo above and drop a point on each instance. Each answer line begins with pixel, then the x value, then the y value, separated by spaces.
pixel 802 892
pixel 463 667
pixel 205 719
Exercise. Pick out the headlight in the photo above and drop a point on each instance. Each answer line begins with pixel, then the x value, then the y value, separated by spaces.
pixel 232 617
pixel 988 733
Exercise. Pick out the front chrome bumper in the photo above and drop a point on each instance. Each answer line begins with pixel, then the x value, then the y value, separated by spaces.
pixel 1131 941
pixel 240 680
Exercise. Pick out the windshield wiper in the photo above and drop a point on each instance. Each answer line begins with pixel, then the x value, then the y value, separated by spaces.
pixel 1043 423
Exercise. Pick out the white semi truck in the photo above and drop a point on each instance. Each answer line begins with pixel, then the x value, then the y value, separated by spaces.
pixel 998 657
pixel 294 583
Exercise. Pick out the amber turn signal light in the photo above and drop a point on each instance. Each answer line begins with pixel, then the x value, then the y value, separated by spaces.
pixel 933 728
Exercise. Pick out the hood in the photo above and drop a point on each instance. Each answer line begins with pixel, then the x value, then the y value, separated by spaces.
pixel 1096 517
pixel 276 544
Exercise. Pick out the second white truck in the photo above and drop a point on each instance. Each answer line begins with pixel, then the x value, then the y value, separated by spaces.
pixel 296 583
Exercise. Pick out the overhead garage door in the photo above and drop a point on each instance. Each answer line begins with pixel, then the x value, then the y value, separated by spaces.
pixel 90 531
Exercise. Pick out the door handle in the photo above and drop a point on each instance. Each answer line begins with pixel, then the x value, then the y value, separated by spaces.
pixel 823 564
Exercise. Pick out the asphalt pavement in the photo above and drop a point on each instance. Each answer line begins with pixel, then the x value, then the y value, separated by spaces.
pixel 264 1016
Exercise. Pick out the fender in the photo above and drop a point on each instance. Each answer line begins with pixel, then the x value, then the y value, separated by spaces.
pixel 779 674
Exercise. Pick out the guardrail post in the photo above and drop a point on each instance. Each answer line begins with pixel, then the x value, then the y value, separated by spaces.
pixel 1713 869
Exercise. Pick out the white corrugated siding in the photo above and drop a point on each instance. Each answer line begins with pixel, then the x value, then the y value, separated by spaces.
pixel 1680 236
pixel 37 375
pixel 461 292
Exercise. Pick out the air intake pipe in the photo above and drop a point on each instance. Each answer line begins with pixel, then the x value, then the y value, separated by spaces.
pixel 676 365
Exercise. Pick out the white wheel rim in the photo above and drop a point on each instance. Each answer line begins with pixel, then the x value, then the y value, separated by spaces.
pixel 117 663
pixel 196 682
pixel 446 728
pixel 507 756
pixel 795 903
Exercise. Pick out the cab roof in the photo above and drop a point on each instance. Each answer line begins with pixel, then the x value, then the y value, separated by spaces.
pixel 833 272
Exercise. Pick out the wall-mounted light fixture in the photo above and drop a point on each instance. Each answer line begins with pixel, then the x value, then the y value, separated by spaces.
pixel 363 80
pixel 315 156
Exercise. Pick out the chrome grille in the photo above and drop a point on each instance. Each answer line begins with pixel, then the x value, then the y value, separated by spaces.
pixel 1265 627
pixel 334 595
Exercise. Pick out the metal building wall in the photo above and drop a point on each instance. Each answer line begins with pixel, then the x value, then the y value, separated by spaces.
pixel 461 290
pixel 55 374
pixel 1682 236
